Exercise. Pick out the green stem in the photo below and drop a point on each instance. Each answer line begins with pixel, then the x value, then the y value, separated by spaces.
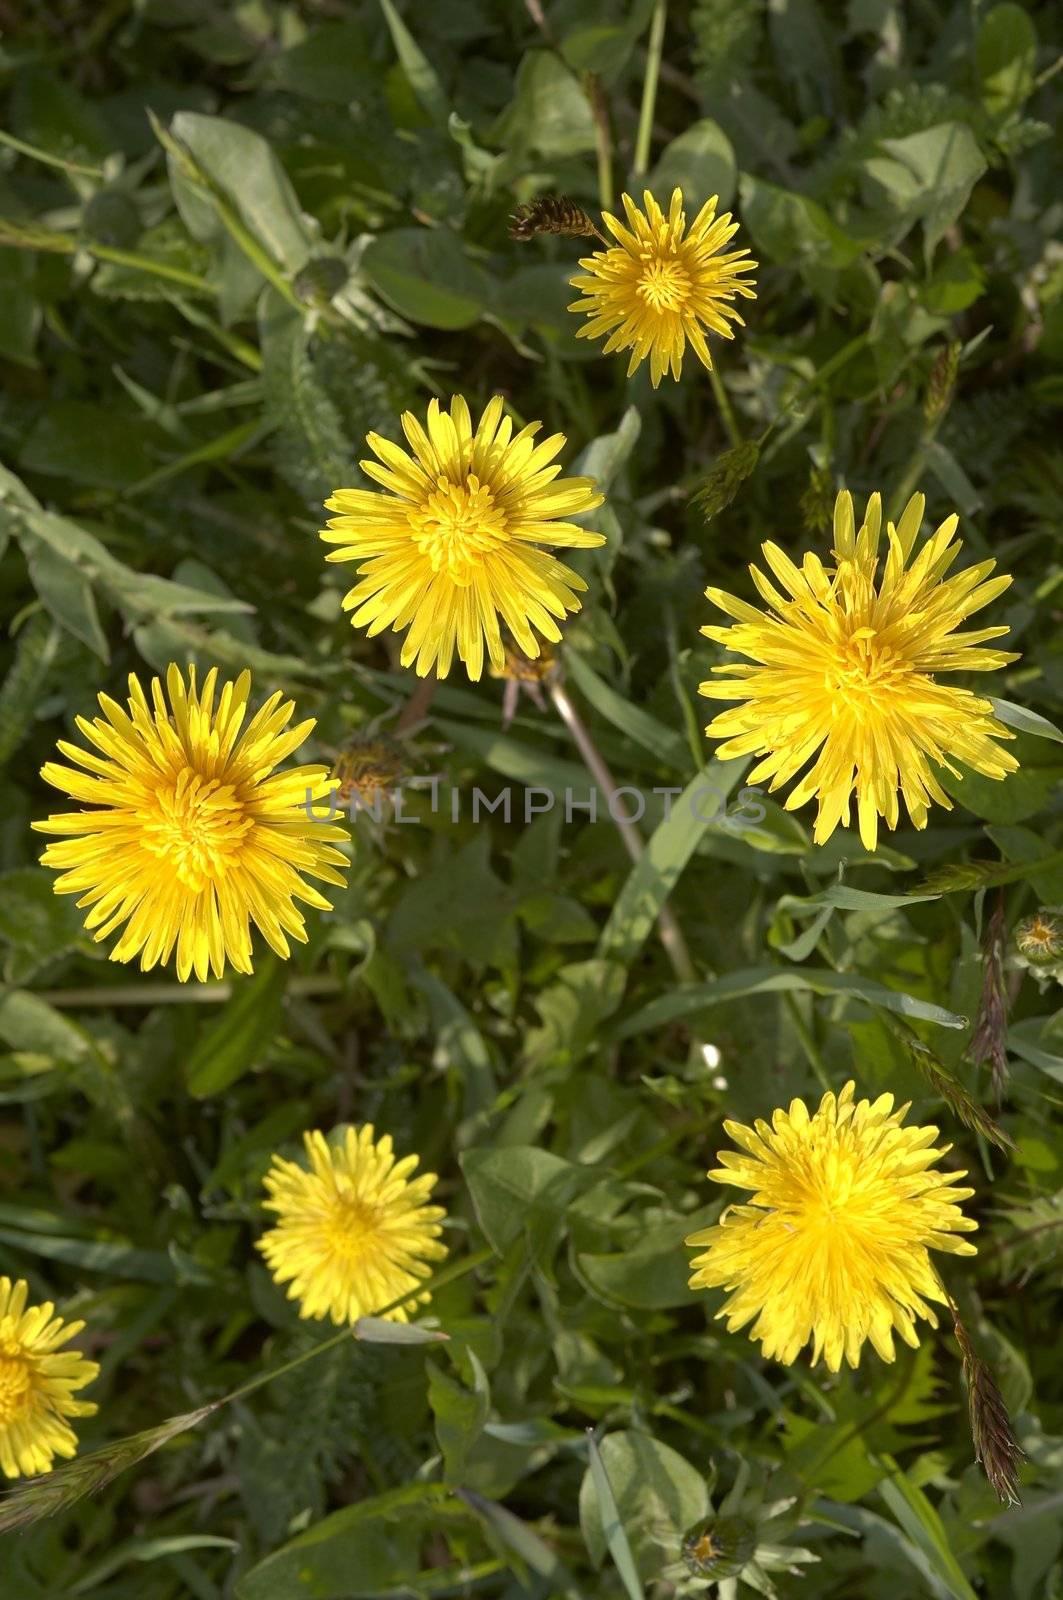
pixel 603 141
pixel 649 89
pixel 669 931
pixel 159 269
pixel 457 1269
pixel 47 158
pixel 808 1043
pixel 162 994
pixel 723 400
pixel 914 469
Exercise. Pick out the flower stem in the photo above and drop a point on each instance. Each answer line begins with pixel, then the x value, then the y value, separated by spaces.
pixel 723 400
pixel 456 1270
pixel 649 89
pixel 417 705
pixel 671 934
pixel 603 140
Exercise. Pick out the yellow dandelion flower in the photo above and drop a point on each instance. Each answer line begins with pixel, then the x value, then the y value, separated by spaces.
pixel 38 1382
pixel 192 835
pixel 661 285
pixel 455 545
pixel 353 1233
pixel 846 669
pixel 832 1247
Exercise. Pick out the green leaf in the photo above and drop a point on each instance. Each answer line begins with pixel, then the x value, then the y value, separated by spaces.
pixel 1025 720
pixel 458 1041
pixel 378 1330
pixel 65 593
pixel 517 1537
pixel 661 741
pixel 701 162
pixel 603 1517
pixel 1005 56
pixel 460 1414
pixel 792 228
pixel 36 645
pixel 921 1523
pixel 946 163
pixel 518 1185
pixel 652 1491
pixel 34 1233
pixel 688 999
pixel 236 1041
pixel 669 849
pixel 242 165
pixel 38 924
pixel 426 276
pixel 311 448
pixel 417 67
pixel 651 1275
pixel 374 1544
pixel 549 116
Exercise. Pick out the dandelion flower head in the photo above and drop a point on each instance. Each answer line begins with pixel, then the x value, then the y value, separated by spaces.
pixel 844 673
pixel 38 1382
pixel 354 1229
pixel 459 542
pixel 192 835
pixel 662 285
pixel 832 1246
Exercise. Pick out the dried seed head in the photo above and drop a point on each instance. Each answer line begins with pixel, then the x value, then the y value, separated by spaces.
pixel 369 767
pixel 995 1444
pixel 942 382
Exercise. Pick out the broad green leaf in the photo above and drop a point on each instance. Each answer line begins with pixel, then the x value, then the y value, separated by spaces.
pixel 425 275
pixel 550 115
pixel 374 1543
pixel 946 163
pixel 654 1491
pixel 792 228
pixel 235 1042
pixel 1005 55
pixel 701 162
pixel 241 164
pixel 516 1184
pixel 653 1273
pixel 460 1414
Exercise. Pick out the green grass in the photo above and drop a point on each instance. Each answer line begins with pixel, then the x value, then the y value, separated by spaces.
pixel 234 240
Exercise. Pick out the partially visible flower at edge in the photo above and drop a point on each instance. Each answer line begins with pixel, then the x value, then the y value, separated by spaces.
pixel 354 1231
pixel 832 1247
pixel 844 672
pixel 38 1382
pixel 192 835
pixel 662 285
pixel 454 547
